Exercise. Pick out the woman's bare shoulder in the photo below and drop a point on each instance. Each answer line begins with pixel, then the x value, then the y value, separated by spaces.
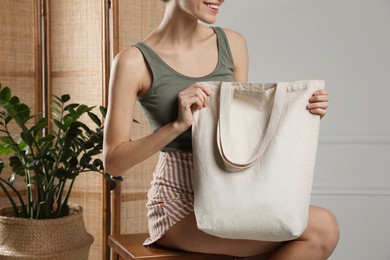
pixel 239 50
pixel 130 57
pixel 129 68
pixel 235 38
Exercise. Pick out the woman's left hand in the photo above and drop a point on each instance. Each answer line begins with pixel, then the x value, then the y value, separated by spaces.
pixel 318 103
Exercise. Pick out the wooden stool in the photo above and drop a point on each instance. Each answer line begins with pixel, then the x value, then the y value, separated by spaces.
pixel 129 247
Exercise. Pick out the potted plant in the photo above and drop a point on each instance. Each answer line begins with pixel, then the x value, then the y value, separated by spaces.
pixel 49 153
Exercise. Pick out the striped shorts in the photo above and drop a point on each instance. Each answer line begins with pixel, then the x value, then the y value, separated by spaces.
pixel 171 196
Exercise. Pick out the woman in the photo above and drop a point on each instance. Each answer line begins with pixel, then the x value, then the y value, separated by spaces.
pixel 163 72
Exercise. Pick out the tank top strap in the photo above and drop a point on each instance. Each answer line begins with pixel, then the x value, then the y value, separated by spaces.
pixel 225 56
pixel 152 59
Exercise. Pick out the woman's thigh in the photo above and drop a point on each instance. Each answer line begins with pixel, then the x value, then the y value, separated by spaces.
pixel 186 236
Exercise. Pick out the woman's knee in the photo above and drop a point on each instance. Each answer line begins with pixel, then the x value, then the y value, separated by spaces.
pixel 323 231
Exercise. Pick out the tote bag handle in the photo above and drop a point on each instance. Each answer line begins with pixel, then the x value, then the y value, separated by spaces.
pixel 223 134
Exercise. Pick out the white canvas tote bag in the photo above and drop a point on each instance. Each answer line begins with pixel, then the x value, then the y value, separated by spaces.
pixel 254 150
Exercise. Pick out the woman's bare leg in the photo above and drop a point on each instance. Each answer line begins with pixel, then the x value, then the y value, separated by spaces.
pixel 186 236
pixel 317 242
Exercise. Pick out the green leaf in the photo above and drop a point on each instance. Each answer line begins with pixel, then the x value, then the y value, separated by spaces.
pixel 82 109
pixel 77 125
pixel 27 137
pixel 95 118
pixel 66 155
pixel 95 151
pixel 98 163
pixel 23 112
pixel 14 100
pixel 85 159
pixel 92 168
pixel 15 161
pixel 9 148
pixel 88 145
pixel 71 107
pixel 5 94
pixel 65 98
pixel 73 162
pixel 62 173
pixel 39 126
pixel 46 139
pixel 68 120
pixel 6 140
pixel 7 120
pixel 110 181
pixel 21 144
pixel 59 124
pixel 103 111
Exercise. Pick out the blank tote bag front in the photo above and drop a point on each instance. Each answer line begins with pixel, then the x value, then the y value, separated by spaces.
pixel 254 150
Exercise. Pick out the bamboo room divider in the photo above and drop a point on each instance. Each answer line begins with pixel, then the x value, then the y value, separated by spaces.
pixel 20 58
pixel 77 63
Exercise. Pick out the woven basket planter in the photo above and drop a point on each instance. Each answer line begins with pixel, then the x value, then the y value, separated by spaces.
pixel 64 238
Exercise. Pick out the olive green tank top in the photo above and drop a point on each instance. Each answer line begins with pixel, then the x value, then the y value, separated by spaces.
pixel 160 104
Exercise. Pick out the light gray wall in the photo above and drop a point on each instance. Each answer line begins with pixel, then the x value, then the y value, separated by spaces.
pixel 347 44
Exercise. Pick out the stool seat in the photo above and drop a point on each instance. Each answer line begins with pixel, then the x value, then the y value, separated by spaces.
pixel 129 247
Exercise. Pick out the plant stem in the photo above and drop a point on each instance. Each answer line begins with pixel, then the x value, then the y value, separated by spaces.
pixel 15 207
pixel 17 194
pixel 30 202
pixel 65 202
pixel 50 197
pixel 59 197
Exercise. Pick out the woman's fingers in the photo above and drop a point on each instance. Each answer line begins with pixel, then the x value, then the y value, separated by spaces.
pixel 318 111
pixel 323 105
pixel 198 87
pixel 190 99
pixel 196 95
pixel 318 102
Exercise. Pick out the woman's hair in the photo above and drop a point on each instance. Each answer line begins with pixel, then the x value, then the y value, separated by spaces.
pixel 165 1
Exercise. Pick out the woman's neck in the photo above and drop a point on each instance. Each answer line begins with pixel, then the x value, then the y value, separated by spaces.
pixel 177 29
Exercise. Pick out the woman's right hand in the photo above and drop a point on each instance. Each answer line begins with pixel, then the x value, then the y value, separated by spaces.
pixel 193 98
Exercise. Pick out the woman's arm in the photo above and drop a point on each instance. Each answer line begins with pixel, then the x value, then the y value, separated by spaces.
pixel 129 77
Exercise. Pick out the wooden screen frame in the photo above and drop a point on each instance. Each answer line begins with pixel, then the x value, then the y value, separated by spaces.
pixel 106 205
pixel 111 199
